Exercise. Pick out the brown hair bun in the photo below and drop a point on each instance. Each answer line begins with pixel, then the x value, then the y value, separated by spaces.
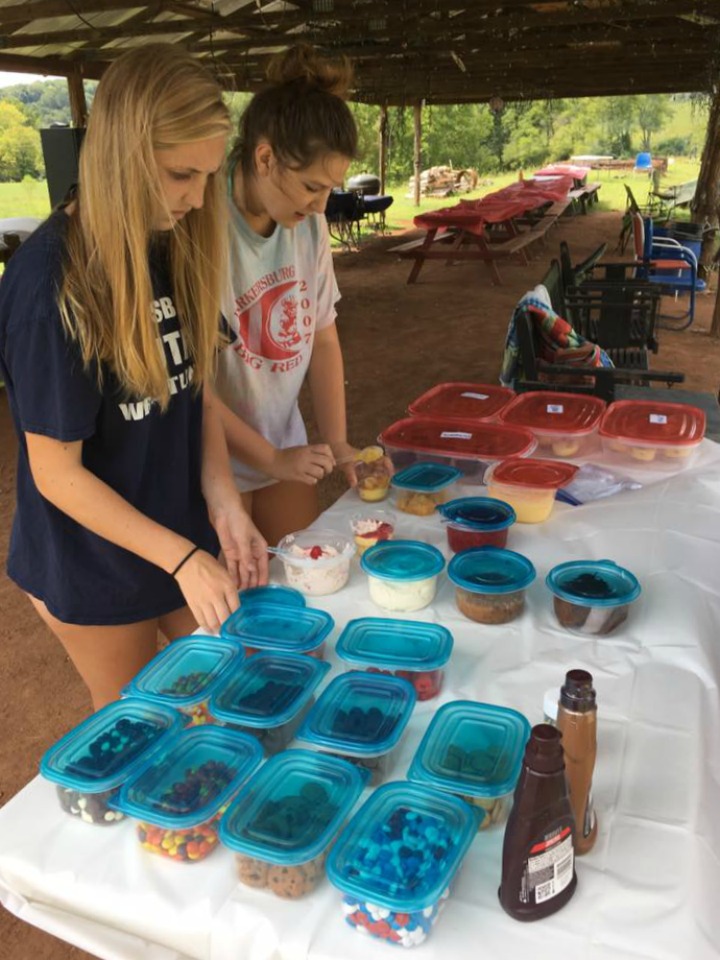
pixel 303 62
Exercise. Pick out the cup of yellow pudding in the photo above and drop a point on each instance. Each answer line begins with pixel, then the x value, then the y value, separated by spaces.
pixel 529 485
pixel 371 526
pixel 373 475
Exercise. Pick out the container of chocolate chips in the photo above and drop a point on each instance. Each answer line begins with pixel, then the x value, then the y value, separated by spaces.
pixel 91 761
pixel 592 596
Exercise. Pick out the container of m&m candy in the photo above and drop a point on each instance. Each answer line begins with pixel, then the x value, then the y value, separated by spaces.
pixel 279 628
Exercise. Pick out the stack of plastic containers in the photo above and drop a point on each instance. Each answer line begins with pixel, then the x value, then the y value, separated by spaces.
pixel 462 401
pixel 564 424
pixel 666 435
pixel 529 486
pixel 279 628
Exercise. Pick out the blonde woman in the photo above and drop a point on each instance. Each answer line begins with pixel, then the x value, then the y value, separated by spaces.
pixel 108 335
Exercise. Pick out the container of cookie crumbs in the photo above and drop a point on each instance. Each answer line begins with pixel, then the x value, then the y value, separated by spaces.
pixel 179 797
pixel 564 424
pixel 476 522
pixel 475 751
pixel 529 485
pixel 272 593
pixel 185 674
pixel 416 651
pixel 421 488
pixel 462 401
pixel 269 696
pixel 402 574
pixel 279 628
pixel 285 819
pixel 361 718
pixel 91 761
pixel 592 596
pixel 490 583
pixel 665 435
pixel 396 860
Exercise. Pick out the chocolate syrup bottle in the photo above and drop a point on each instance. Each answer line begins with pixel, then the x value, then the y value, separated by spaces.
pixel 538 868
pixel 577 721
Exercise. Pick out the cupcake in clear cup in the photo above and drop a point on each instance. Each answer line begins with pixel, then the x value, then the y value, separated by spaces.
pixel 317 562
pixel 373 474
pixel 370 526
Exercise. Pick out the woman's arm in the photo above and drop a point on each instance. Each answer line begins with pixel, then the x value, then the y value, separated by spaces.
pixel 327 387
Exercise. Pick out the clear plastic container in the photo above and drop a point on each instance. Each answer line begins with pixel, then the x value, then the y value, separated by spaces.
pixel 91 761
pixel 396 894
pixel 179 796
pixel 462 401
pixel 402 574
pixel 370 526
pixel 490 583
pixel 284 820
pixel 529 486
pixel 373 474
pixel 185 674
pixel 474 750
pixel 476 522
pixel 316 562
pixel 665 435
pixel 565 424
pixel 278 628
pixel 361 717
pixel 272 593
pixel 269 696
pixel 416 651
pixel 592 596
pixel 421 488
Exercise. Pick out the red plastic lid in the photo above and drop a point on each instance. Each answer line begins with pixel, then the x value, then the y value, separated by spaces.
pixel 545 474
pixel 463 401
pixel 573 413
pixel 459 438
pixel 661 423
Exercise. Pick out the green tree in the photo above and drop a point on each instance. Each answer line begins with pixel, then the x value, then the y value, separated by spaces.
pixel 19 144
pixel 652 112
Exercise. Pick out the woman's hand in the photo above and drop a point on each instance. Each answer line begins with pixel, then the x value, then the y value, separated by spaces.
pixel 243 547
pixel 304 464
pixel 345 456
pixel 208 588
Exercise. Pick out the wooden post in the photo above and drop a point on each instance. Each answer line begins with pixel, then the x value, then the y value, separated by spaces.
pixel 383 146
pixel 76 93
pixel 707 198
pixel 417 149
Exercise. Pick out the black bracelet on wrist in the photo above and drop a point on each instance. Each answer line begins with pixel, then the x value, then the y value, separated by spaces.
pixel 184 560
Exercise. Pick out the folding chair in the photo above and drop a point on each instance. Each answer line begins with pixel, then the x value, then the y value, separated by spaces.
pixel 344 212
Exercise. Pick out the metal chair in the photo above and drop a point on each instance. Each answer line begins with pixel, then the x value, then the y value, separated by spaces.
pixel 344 211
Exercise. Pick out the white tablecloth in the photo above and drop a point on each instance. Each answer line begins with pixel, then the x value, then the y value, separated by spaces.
pixel 649 889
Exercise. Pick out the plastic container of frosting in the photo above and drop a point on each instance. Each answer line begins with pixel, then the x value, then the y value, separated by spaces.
pixel 421 488
pixel 316 562
pixel 592 596
pixel 665 435
pixel 402 574
pixel 476 522
pixel 462 401
pixel 490 583
pixel 285 819
pixel 529 485
pixel 564 424
pixel 279 628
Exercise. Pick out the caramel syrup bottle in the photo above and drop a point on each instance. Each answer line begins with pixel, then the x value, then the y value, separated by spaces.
pixel 577 721
pixel 538 868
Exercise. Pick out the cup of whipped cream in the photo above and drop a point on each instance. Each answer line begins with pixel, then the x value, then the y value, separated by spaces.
pixel 317 562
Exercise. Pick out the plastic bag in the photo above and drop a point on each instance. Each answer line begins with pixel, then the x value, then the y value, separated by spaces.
pixel 592 482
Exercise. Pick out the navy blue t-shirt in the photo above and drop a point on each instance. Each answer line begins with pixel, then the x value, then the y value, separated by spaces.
pixel 150 458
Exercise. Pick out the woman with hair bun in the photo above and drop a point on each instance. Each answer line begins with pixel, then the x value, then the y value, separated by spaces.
pixel 295 143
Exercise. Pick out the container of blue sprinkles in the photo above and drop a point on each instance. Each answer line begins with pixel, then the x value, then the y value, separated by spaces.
pixel 396 860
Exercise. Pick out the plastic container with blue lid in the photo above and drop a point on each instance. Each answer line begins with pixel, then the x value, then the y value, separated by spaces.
pixel 91 761
pixel 185 674
pixel 272 593
pixel 179 797
pixel 474 750
pixel 361 717
pixel 285 818
pixel 269 696
pixel 592 596
pixel 279 628
pixel 490 583
pixel 421 487
pixel 477 522
pixel 416 651
pixel 396 860
pixel 402 574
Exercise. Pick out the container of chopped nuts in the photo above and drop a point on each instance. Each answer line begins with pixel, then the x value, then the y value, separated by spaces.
pixel 490 583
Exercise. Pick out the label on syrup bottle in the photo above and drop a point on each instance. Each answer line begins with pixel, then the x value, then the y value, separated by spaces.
pixel 549 867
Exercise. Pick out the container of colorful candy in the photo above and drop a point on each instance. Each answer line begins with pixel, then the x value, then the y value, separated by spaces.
pixel 490 583
pixel 361 718
pixel 476 522
pixel 592 596
pixel 402 574
pixel 317 562
pixel 279 628
pixel 91 761
pixel 269 696
pixel 395 861
pixel 285 818
pixel 416 651
pixel 185 674
pixel 475 751
pixel 179 797
pixel 271 593
pixel 421 488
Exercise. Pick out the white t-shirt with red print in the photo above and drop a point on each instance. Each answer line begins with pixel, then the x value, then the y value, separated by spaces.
pixel 282 289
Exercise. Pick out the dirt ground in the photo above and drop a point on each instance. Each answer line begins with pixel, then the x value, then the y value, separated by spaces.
pixel 398 341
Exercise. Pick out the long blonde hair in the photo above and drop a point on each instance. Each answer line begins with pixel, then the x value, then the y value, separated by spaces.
pixel 154 97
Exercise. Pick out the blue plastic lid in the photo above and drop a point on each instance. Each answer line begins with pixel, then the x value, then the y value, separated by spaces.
pixel 186 671
pixel 491 570
pixel 361 714
pixel 426 477
pixel 272 593
pixel 472 748
pixel 277 627
pixel 291 809
pixel 403 847
pixel 593 583
pixel 268 690
pixel 478 513
pixel 191 779
pixel 394 644
pixel 110 745
pixel 402 560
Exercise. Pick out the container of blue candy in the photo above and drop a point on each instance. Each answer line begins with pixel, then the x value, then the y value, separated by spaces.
pixel 271 593
pixel 416 651
pixel 179 797
pixel 474 750
pixel 361 718
pixel 396 860
pixel 279 628
pixel 185 673
pixel 269 696
pixel 285 818
pixel 91 761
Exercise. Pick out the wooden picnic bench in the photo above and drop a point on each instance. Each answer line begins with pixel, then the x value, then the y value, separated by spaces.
pixel 585 196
